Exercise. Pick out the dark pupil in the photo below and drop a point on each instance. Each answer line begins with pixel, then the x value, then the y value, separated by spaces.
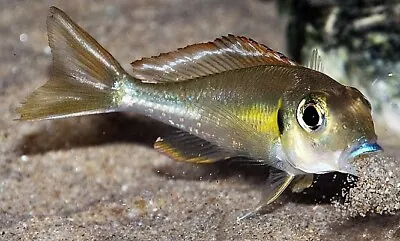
pixel 311 117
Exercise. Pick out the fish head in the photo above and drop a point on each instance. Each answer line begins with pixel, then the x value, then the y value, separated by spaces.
pixel 325 128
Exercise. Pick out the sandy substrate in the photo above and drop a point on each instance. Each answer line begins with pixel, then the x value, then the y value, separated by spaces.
pixel 96 177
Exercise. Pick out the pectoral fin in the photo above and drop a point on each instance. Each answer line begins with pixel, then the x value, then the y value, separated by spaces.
pixel 277 183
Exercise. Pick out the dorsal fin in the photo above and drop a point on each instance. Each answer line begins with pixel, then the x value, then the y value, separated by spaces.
pixel 223 54
pixel 315 62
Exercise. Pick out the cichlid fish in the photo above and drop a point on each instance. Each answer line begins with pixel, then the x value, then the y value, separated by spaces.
pixel 230 98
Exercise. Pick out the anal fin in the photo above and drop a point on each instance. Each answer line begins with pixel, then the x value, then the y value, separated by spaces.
pixel 277 183
pixel 182 146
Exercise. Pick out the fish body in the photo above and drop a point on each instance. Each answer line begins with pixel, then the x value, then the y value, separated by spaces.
pixel 230 98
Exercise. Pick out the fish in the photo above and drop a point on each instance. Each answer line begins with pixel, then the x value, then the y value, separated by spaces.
pixel 231 98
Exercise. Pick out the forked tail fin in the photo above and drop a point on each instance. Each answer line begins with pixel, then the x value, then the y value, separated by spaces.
pixel 82 78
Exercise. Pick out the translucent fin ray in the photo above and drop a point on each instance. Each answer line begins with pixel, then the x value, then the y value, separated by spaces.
pixel 82 77
pixel 277 183
pixel 223 54
pixel 315 62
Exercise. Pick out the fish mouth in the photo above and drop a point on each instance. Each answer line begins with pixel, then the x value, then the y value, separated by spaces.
pixel 355 150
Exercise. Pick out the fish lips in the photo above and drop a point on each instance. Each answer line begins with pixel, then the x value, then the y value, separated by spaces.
pixel 355 150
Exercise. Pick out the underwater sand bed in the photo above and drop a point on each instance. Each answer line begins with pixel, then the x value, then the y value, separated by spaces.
pixel 377 191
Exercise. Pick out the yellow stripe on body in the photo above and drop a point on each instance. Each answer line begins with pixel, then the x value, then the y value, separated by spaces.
pixel 263 118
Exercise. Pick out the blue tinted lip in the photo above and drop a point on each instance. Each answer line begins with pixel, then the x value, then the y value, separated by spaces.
pixel 364 148
pixel 357 149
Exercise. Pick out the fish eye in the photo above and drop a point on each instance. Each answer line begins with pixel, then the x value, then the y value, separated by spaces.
pixel 310 115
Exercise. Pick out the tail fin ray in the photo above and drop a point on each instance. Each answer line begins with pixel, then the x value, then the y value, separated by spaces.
pixel 82 78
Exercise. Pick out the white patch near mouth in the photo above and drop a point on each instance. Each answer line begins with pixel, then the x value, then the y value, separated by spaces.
pixel 308 160
pixel 304 158
pixel 311 161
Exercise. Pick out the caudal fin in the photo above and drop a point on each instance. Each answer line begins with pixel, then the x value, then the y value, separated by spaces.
pixel 83 74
